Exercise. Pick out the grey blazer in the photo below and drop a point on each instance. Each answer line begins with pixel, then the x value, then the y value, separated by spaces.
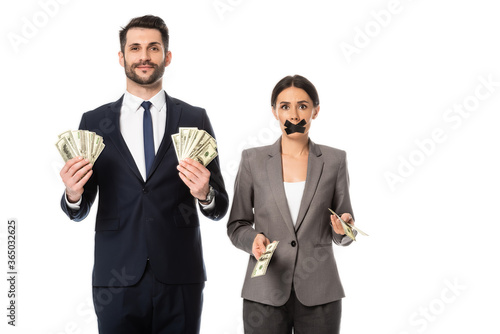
pixel 304 255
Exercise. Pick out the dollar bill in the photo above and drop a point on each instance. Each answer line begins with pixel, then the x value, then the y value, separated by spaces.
pixel 176 140
pixel 69 137
pixel 97 147
pixel 260 268
pixel 79 137
pixel 99 150
pixel 90 144
pixel 186 135
pixel 206 155
pixel 65 149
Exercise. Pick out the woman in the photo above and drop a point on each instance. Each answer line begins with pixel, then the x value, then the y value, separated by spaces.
pixel 283 192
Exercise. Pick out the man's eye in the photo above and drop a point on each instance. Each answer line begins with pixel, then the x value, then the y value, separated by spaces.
pixel 154 48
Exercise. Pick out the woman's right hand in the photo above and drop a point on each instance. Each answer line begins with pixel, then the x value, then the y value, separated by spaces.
pixel 259 245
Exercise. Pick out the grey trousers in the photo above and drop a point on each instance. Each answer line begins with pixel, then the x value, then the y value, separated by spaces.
pixel 265 319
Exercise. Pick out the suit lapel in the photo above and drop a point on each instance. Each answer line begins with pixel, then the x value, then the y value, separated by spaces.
pixel 314 169
pixel 171 126
pixel 115 135
pixel 275 176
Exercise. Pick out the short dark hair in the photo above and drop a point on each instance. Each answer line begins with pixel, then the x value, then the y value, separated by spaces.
pixel 148 22
pixel 295 81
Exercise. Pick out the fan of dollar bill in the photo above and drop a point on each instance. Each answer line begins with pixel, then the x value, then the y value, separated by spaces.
pixel 196 144
pixel 348 227
pixel 83 143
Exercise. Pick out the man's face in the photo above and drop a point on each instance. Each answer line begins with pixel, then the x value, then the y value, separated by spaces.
pixel 144 56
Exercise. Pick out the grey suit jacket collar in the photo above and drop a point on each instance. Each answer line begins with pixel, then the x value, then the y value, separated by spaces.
pixel 113 124
pixel 275 174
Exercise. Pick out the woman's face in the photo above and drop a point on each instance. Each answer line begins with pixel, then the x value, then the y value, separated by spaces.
pixel 294 105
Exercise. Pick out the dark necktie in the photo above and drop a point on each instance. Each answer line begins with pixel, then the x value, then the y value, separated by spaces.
pixel 149 143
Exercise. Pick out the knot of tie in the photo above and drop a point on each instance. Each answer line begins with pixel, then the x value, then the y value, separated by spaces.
pixel 146 105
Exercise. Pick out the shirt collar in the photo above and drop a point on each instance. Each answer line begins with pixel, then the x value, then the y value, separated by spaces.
pixel 133 103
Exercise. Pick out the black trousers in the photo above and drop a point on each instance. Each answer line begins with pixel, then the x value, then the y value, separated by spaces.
pixel 265 319
pixel 149 307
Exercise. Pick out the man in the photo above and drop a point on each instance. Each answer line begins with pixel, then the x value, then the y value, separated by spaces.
pixel 148 273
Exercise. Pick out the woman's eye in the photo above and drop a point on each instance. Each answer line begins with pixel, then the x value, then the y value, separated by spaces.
pixel 302 107
pixel 285 107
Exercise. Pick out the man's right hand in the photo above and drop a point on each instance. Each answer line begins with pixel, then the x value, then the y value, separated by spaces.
pixel 259 245
pixel 75 174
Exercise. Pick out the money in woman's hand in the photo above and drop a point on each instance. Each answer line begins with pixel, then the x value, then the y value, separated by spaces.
pixel 263 262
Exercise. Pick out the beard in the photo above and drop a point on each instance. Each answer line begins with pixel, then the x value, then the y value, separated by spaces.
pixel 157 74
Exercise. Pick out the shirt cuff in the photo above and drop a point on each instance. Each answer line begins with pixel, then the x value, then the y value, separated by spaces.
pixel 73 206
pixel 208 207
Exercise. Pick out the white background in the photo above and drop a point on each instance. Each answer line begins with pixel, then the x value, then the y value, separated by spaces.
pixel 435 228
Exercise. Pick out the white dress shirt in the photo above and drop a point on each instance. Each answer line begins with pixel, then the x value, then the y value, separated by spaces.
pixel 131 125
pixel 294 192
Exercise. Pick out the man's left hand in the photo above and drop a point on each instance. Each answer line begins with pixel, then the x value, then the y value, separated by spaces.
pixel 195 176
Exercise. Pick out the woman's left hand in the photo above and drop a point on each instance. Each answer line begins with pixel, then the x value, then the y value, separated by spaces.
pixel 337 225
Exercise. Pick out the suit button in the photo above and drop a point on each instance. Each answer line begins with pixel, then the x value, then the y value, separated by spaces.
pixel 294 243
pixel 145 191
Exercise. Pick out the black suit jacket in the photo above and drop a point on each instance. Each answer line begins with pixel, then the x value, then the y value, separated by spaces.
pixel 137 219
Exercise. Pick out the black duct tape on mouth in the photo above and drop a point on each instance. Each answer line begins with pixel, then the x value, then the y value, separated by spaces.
pixel 292 128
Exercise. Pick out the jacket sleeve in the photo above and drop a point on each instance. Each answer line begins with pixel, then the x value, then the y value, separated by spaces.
pixel 88 196
pixel 216 181
pixel 341 200
pixel 241 219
